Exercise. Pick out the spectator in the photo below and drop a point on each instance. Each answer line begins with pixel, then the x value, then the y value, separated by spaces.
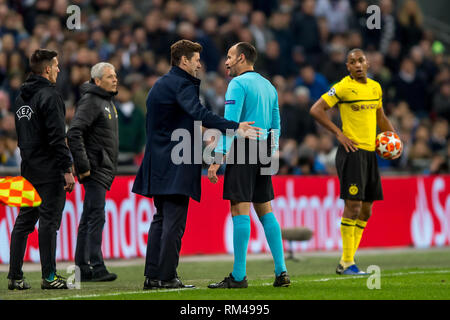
pixel 260 31
pixel 327 154
pixel 410 24
pixel 441 101
pixel 334 68
pixel 439 136
pixel 314 81
pixel 131 128
pixel 306 30
pixel 337 13
pixel 410 87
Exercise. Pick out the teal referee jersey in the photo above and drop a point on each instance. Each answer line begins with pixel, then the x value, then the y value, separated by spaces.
pixel 251 97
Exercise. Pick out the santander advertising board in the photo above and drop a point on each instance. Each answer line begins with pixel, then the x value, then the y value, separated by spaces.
pixel 415 212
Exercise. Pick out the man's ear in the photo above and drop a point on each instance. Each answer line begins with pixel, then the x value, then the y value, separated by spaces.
pixel 97 81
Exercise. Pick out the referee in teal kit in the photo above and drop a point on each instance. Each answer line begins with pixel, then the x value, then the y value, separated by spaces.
pixel 250 97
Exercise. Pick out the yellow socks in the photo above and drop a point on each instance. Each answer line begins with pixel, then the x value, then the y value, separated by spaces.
pixel 348 242
pixel 359 229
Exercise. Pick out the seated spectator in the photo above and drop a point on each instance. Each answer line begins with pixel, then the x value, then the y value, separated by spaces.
pixel 327 153
pixel 441 101
pixel 420 157
pixel 439 136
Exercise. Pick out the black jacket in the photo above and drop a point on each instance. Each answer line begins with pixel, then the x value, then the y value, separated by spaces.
pixel 40 126
pixel 93 136
pixel 173 103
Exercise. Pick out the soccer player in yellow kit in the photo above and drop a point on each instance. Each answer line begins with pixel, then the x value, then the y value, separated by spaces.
pixel 359 100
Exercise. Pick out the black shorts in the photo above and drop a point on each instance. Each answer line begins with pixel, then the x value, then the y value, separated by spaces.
pixel 245 180
pixel 359 176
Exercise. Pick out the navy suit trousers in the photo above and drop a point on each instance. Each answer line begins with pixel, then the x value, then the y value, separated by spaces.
pixel 164 236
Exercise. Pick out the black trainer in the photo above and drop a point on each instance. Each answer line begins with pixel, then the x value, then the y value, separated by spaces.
pixel 229 283
pixel 282 280
pixel 57 283
pixel 20 284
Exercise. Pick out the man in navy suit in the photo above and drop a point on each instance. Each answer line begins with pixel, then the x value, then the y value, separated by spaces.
pixel 172 104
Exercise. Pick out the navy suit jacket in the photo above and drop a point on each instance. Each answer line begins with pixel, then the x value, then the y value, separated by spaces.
pixel 173 103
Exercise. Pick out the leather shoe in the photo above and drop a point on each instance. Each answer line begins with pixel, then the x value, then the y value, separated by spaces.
pixel 151 284
pixel 103 275
pixel 175 283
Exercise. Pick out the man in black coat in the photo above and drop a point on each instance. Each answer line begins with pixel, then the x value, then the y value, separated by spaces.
pixel 46 163
pixel 94 143
pixel 173 104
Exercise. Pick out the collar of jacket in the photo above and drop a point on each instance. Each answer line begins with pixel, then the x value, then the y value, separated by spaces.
pixel 91 87
pixel 180 72
pixel 33 84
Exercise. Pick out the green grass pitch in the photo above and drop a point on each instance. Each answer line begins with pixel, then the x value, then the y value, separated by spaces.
pixel 404 275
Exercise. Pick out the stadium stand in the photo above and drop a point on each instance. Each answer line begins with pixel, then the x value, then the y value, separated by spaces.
pixel 302 50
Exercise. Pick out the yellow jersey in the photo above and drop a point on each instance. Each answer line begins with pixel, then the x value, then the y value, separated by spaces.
pixel 358 104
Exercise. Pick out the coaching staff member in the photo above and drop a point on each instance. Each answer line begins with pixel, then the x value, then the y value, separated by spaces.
pixel 173 103
pixel 46 163
pixel 93 139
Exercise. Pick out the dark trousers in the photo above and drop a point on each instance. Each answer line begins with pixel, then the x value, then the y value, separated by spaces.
pixel 164 236
pixel 49 214
pixel 88 252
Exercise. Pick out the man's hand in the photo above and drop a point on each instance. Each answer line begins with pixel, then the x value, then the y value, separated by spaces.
pixel 212 172
pixel 84 175
pixel 348 144
pixel 247 131
pixel 70 182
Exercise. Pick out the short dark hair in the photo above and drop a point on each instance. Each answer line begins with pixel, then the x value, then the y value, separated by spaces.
pixel 248 50
pixel 185 48
pixel 40 59
pixel 355 50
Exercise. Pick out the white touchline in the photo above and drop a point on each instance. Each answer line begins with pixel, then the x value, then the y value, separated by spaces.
pixel 264 284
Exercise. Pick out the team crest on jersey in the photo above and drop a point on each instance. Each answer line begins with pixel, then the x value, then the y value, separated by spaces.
pixel 24 112
pixel 332 92
pixel 353 190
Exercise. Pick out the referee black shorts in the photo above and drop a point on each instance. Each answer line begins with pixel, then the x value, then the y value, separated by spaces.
pixel 359 176
pixel 246 178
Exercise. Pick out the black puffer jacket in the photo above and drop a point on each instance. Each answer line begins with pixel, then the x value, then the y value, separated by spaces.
pixel 93 136
pixel 39 118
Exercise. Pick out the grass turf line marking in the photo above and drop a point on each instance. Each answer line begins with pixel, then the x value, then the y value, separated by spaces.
pixel 112 294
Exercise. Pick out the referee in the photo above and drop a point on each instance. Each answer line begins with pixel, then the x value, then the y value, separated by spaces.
pixel 249 96
pixel 359 100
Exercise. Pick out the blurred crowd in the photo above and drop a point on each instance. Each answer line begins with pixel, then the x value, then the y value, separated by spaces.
pixel 302 47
